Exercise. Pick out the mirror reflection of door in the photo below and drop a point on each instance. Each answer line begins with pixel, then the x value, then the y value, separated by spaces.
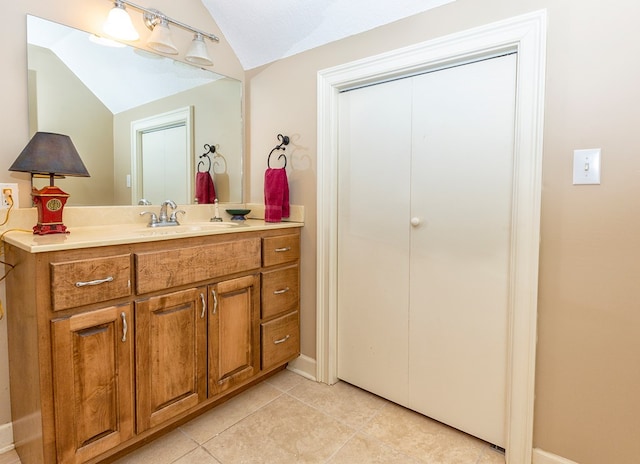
pixel 162 161
pixel 163 165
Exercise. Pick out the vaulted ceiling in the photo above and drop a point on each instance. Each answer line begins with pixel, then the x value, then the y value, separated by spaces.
pixel 263 31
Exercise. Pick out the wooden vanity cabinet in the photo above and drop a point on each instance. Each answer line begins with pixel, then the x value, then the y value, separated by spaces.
pixel 110 345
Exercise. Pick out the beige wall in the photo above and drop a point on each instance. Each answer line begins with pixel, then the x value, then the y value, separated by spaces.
pixel 587 402
pixel 588 377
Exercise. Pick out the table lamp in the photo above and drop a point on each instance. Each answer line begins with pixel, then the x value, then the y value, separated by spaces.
pixel 50 155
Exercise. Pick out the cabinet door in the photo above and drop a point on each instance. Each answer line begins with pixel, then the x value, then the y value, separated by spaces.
pixel 93 382
pixel 171 355
pixel 233 332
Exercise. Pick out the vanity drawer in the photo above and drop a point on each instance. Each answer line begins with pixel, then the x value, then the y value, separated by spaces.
pixel 280 291
pixel 280 340
pixel 280 249
pixel 82 282
pixel 160 270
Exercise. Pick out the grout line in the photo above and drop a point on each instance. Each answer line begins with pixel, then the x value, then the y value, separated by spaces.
pixel 210 454
pixel 328 461
pixel 239 420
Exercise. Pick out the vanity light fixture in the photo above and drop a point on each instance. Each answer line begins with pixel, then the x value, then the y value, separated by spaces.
pixel 50 155
pixel 197 53
pixel 119 25
pixel 160 39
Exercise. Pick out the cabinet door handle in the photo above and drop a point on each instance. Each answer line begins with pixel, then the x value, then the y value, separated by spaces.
pixel 280 292
pixel 215 301
pixel 94 282
pixel 282 340
pixel 281 250
pixel 204 305
pixel 123 315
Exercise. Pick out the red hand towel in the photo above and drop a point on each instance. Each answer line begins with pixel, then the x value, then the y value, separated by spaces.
pixel 276 195
pixel 205 191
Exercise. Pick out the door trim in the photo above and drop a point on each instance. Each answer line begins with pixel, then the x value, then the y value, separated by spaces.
pixel 526 35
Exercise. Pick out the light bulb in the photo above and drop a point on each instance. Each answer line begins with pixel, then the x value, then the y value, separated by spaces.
pixel 118 24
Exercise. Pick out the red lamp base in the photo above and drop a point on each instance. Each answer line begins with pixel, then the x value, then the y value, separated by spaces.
pixel 50 203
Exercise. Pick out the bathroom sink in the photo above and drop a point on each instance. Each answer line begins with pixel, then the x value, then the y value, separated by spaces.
pixel 186 228
pixel 207 225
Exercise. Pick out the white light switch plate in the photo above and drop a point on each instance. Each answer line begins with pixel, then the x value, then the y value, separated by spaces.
pixel 586 166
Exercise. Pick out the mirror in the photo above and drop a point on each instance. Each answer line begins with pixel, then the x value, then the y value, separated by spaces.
pixel 140 121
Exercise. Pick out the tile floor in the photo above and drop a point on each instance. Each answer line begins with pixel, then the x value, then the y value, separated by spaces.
pixel 289 419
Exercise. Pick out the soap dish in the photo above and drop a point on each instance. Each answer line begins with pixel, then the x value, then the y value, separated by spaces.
pixel 238 214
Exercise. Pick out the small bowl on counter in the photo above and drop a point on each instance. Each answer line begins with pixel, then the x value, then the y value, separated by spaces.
pixel 238 214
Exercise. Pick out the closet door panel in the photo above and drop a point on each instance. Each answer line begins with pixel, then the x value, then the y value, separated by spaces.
pixel 373 238
pixel 461 180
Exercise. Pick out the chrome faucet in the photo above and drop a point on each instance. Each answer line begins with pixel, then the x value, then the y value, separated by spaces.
pixel 163 219
pixel 163 210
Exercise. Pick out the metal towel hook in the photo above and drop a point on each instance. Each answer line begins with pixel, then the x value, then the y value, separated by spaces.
pixel 284 140
pixel 210 149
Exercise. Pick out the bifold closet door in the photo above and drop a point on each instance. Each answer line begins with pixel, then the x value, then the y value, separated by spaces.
pixel 461 194
pixel 373 238
pixel 425 189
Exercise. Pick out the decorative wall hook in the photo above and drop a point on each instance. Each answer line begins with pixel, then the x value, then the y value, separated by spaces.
pixel 210 149
pixel 284 140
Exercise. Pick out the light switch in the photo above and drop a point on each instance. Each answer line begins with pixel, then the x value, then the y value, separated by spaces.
pixel 586 166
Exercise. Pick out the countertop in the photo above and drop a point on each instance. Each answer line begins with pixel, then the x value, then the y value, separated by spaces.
pixel 92 226
pixel 104 235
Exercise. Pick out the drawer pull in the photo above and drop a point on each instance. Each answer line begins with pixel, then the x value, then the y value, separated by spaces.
pixel 280 292
pixel 215 301
pixel 123 315
pixel 204 305
pixel 282 340
pixel 94 282
pixel 282 250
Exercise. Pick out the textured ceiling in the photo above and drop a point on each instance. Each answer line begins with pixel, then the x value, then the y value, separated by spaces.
pixel 263 31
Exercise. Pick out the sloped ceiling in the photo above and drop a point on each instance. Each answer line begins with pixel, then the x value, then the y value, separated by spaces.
pixel 263 31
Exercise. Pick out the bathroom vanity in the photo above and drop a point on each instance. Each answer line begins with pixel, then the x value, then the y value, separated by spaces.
pixel 115 339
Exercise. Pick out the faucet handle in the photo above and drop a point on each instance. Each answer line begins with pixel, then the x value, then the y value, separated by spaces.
pixel 174 216
pixel 153 219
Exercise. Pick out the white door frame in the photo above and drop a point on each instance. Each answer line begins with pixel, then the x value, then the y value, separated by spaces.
pixel 525 34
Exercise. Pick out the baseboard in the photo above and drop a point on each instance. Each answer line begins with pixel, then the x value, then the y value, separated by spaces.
pixel 304 366
pixel 542 457
pixel 6 437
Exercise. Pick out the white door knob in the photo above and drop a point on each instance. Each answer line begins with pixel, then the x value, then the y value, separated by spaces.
pixel 415 221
